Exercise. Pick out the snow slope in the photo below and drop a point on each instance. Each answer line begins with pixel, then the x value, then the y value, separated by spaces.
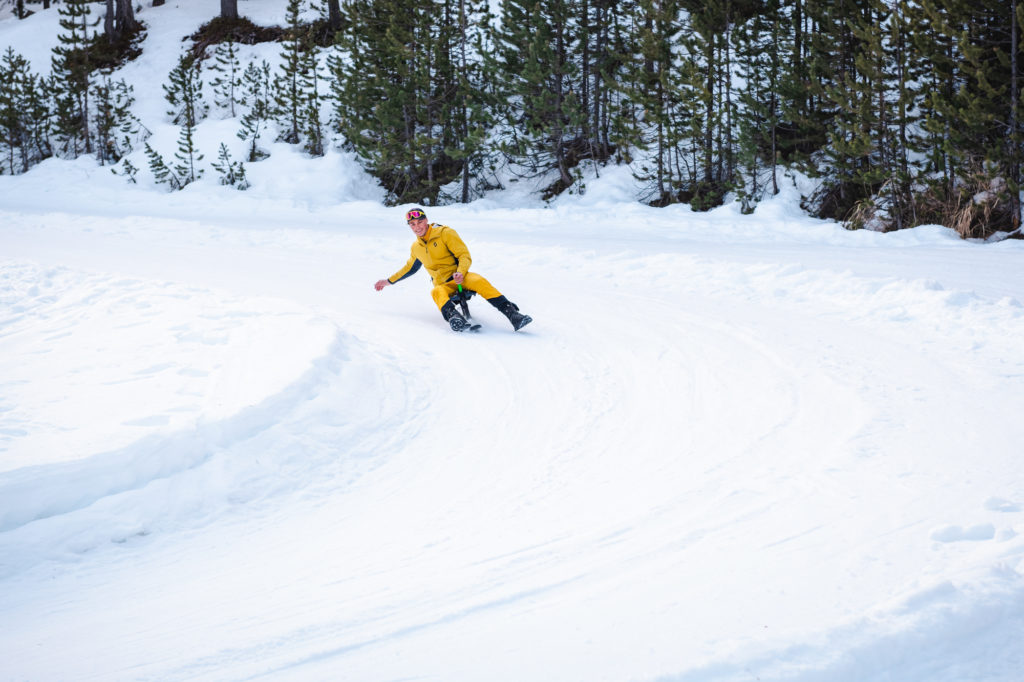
pixel 729 447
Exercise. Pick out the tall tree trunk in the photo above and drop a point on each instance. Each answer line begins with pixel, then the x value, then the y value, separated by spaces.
pixel 798 51
pixel 334 14
pixel 124 18
pixel 120 20
pixel 1015 142
pixel 709 112
pixel 558 137
pixel 108 23
pixel 229 9
pixel 464 69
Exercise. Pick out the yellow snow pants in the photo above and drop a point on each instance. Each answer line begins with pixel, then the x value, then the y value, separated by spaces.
pixel 474 282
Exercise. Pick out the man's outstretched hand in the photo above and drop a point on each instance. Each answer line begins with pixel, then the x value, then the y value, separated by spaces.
pixel 381 283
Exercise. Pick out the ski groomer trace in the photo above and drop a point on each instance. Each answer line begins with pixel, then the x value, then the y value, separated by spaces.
pixel 440 249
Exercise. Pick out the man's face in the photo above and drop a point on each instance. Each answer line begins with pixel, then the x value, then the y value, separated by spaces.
pixel 418 226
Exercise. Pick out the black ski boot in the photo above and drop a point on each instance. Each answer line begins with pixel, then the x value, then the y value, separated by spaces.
pixel 454 318
pixel 511 311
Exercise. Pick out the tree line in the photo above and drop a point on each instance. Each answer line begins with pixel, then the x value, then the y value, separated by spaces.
pixel 905 111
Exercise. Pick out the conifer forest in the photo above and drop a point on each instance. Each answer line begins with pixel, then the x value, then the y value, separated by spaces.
pixel 905 112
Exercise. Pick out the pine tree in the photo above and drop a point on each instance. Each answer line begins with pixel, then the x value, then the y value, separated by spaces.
pixel 289 95
pixel 380 93
pixel 711 79
pixel 14 132
pixel 841 97
pixel 649 118
pixel 188 156
pixel 128 170
pixel 185 95
pixel 117 129
pixel 971 112
pixel 854 155
pixel 106 122
pixel 313 131
pixel 185 92
pixel 257 89
pixel 760 50
pixel 231 172
pixel 39 107
pixel 936 48
pixel 466 103
pixel 162 173
pixel 608 22
pixel 534 59
pixel 71 69
pixel 131 129
pixel 806 71
pixel 24 114
pixel 872 139
pixel 227 85
pixel 398 101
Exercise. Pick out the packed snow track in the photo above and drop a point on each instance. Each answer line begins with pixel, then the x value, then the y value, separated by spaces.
pixel 223 456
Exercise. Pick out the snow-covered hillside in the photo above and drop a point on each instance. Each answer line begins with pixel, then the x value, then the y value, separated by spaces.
pixel 728 448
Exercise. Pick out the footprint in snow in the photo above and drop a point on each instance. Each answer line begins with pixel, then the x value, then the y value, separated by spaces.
pixel 983 531
pixel 1000 505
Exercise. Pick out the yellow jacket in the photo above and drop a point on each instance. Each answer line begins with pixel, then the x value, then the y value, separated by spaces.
pixel 441 251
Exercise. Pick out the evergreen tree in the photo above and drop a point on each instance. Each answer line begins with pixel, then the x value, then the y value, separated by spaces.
pixel 806 72
pixel 398 101
pixel 608 34
pixel 711 79
pixel 106 122
pixel 534 59
pixel 854 156
pixel 468 99
pixel 871 142
pixel 188 156
pixel 12 133
pixel 128 170
pixel 289 95
pixel 760 52
pixel 162 173
pixel 312 128
pixel 24 114
pixel 185 95
pixel 71 69
pixel 972 114
pixel 840 96
pixel 14 126
pixel 227 85
pixel 117 128
pixel 257 89
pixel 650 119
pixel 231 172
pixel 38 107
pixel 185 92
pixel 936 48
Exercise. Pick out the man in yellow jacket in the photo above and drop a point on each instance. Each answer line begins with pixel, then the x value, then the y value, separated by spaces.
pixel 440 249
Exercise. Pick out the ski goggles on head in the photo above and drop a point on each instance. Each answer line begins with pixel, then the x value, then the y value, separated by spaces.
pixel 415 214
